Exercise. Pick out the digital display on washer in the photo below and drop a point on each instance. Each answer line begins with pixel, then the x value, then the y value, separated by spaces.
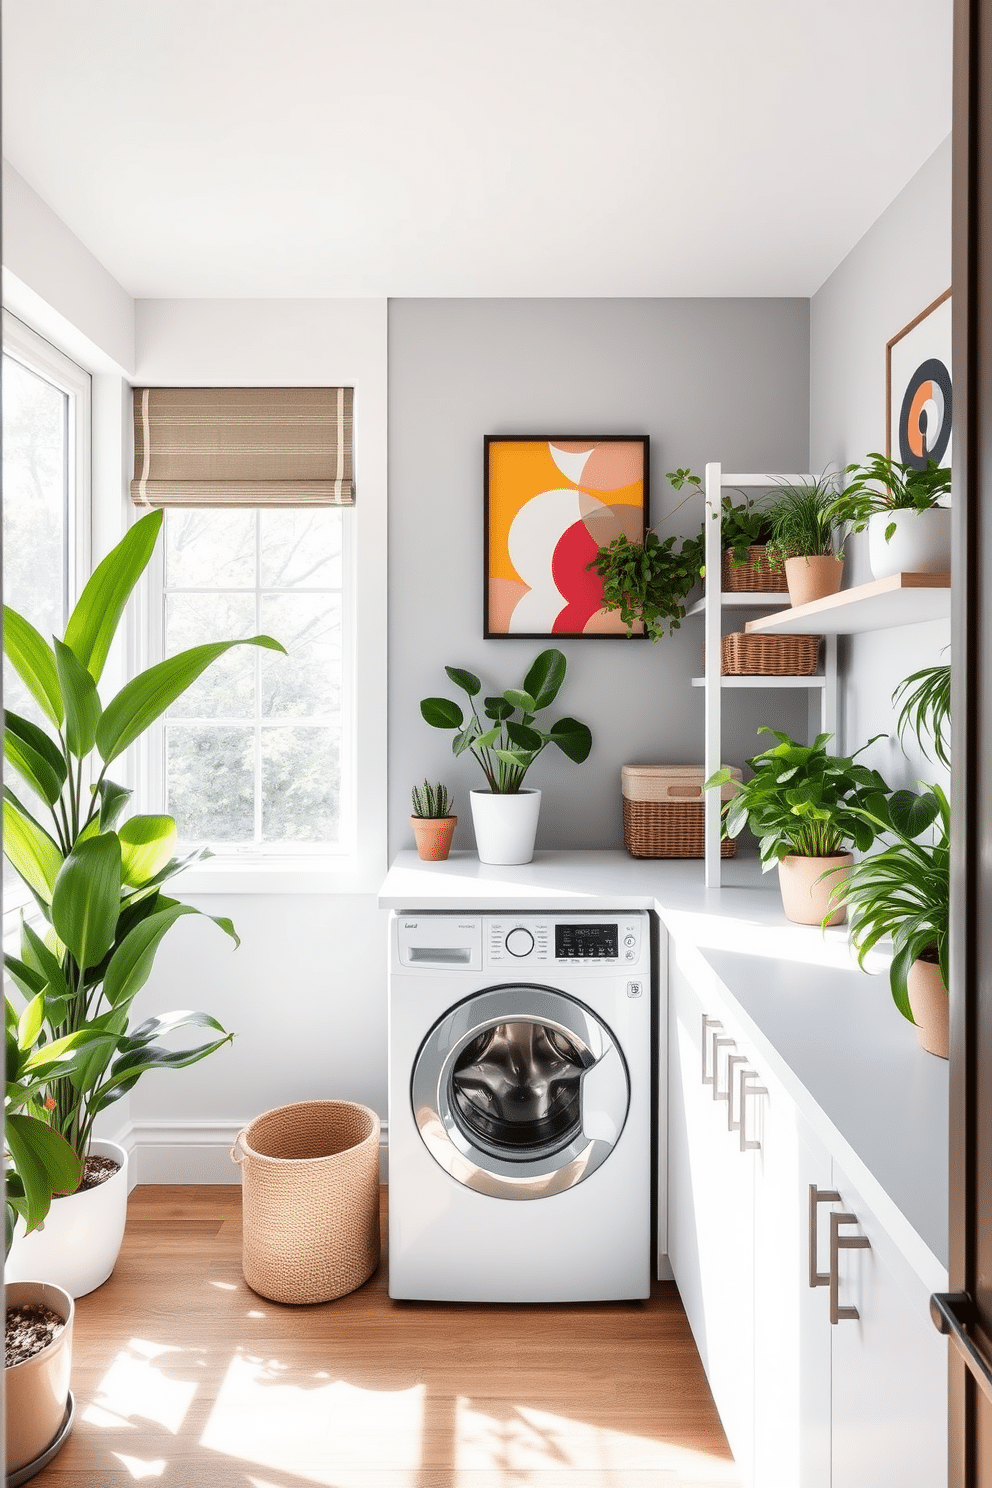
pixel 586 942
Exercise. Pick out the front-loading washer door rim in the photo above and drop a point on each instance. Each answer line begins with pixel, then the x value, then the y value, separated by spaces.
pixel 473 1163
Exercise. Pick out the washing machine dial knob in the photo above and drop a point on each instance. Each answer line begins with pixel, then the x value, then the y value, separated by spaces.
pixel 519 942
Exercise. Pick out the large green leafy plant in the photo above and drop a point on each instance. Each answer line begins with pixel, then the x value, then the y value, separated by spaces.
pixel 803 801
pixel 96 876
pixel 882 484
pixel 508 742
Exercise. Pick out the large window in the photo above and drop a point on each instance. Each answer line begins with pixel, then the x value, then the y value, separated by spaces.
pixel 46 441
pixel 255 757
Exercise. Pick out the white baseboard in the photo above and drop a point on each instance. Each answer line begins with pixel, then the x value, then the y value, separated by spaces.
pixel 194 1151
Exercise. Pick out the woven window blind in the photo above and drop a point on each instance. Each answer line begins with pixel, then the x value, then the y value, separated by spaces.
pixel 243 447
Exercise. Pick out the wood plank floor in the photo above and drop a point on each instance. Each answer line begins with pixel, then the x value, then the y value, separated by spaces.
pixel 184 1377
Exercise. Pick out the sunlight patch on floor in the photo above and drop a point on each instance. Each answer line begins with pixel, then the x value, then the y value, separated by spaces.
pixel 325 1431
pixel 520 1444
pixel 138 1468
pixel 139 1383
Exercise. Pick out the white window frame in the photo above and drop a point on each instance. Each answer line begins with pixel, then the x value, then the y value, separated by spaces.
pixel 293 865
pixel 32 351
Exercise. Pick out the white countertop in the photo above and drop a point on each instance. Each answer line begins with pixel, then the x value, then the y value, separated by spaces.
pixel 829 1033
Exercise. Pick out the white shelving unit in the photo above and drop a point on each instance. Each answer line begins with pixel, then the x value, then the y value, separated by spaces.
pixel 711 607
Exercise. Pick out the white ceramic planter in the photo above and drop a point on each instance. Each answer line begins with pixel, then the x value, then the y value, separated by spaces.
pixel 78 1245
pixel 36 1391
pixel 505 826
pixel 921 542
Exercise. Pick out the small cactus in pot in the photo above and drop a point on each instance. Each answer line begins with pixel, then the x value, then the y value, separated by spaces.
pixel 432 821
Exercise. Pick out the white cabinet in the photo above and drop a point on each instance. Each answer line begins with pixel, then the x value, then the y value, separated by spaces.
pixel 805 1402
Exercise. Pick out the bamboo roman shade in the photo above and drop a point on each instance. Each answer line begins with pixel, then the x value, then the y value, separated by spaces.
pixel 243 447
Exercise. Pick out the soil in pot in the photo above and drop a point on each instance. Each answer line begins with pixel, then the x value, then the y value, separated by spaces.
pixel 29 1328
pixel 96 1170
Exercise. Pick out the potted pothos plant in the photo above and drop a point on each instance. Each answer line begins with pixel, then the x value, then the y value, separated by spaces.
pixel 905 512
pixel 745 528
pixel 902 893
pixel 97 878
pixel 807 808
pixel 804 524
pixel 505 742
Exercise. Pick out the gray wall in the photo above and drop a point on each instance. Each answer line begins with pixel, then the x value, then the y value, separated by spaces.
pixel 706 379
pixel 901 264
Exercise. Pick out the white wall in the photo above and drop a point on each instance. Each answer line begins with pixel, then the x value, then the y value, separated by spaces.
pixel 707 380
pixel 900 266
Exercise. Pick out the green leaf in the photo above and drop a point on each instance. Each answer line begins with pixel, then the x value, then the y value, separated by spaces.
pixel 544 679
pixel 131 964
pixel 487 740
pixel 82 701
pixel 574 739
pixel 147 696
pixel 87 897
pixel 37 757
pixel 30 1021
pixel 44 1162
pixel 523 737
pixel 93 623
pixel 467 681
pixel 146 846
pixel 514 757
pixel 442 713
pixel 28 978
pixel 34 662
pixel 37 954
pixel 522 700
pixel 498 709
pixel 30 850
pixel 113 799
pixel 141 1056
pixel 912 814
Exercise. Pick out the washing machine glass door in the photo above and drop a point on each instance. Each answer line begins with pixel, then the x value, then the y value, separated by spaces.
pixel 520 1092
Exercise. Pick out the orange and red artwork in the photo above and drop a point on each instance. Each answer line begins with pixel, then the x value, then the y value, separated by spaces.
pixel 551 504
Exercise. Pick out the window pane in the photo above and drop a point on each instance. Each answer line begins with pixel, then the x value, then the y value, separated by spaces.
pixel 301 548
pixel 210 549
pixel 227 687
pixel 300 785
pixel 210 774
pixel 307 682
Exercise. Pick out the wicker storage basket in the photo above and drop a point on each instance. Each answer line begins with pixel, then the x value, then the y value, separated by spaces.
pixel 756 575
pixel 663 811
pixel 310 1200
pixel 744 655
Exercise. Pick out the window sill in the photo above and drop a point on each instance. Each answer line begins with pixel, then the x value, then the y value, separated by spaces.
pixel 317 874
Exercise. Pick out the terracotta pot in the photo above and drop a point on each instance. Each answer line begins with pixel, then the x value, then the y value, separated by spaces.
pixel 813 578
pixel 928 1000
pixel 433 835
pixel 37 1391
pixel 805 901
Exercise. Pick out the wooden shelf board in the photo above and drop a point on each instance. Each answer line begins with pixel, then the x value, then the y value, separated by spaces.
pixel 759 600
pixel 901 599
pixel 816 681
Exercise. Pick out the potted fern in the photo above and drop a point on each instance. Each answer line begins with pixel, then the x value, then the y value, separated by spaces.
pixel 904 510
pixel 97 877
pixel 505 746
pixel 432 822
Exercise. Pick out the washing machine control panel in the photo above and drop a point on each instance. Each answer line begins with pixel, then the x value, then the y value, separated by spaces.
pixel 579 940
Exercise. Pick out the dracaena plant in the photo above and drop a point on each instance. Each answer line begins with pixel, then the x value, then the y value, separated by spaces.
pixel 805 802
pixel 508 743
pixel 96 875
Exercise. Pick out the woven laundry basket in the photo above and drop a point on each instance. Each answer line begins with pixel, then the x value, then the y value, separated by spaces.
pixel 310 1200
pixel 663 811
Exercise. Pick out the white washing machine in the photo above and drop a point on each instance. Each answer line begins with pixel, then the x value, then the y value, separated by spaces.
pixel 519 1107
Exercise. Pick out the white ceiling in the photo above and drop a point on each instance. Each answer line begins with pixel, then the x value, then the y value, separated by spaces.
pixel 450 147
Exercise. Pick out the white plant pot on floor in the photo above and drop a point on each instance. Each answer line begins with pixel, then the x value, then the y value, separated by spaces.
pixel 921 542
pixel 78 1245
pixel 505 826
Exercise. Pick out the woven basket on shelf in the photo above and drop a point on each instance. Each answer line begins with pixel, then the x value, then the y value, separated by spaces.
pixel 310 1201
pixel 663 811
pixel 744 655
pixel 756 575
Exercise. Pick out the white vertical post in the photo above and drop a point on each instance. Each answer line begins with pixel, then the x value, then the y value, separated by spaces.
pixel 828 704
pixel 711 674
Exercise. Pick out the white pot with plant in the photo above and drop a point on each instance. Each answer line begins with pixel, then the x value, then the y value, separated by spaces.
pixel 505 813
pixel 807 808
pixel 432 821
pixel 97 880
pixel 803 535
pixel 904 511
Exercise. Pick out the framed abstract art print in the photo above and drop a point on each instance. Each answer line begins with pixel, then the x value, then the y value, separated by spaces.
pixel 918 388
pixel 550 504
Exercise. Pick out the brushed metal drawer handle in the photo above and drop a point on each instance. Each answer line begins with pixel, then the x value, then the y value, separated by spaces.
pixel 708 1023
pixel 818 1196
pixel 732 1060
pixel 721 1042
pixel 839 1242
pixel 746 1089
